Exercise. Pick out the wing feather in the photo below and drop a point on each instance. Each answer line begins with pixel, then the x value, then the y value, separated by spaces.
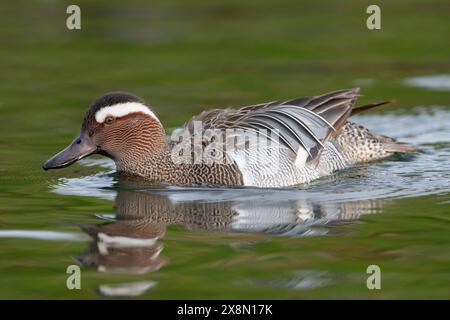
pixel 299 123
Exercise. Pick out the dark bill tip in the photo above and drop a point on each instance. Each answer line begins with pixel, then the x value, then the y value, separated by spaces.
pixel 80 148
pixel 55 163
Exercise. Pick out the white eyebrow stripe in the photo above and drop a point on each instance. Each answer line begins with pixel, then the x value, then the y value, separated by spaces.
pixel 123 109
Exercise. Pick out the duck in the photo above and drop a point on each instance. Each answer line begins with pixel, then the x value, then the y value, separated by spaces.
pixel 267 145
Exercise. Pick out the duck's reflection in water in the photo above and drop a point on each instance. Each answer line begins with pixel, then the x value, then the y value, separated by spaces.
pixel 128 242
pixel 127 246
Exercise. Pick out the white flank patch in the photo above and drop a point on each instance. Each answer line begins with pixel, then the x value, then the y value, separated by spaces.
pixel 302 155
pixel 123 109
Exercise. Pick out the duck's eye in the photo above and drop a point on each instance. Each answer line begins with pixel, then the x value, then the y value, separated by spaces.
pixel 109 120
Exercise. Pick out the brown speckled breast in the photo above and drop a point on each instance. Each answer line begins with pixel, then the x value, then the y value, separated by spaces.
pixel 160 168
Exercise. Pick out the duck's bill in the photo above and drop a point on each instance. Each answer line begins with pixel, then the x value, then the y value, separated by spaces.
pixel 80 148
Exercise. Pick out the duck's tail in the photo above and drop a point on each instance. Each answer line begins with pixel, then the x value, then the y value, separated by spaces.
pixel 394 146
pixel 389 144
pixel 359 145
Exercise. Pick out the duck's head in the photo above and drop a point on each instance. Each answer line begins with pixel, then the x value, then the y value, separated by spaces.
pixel 118 125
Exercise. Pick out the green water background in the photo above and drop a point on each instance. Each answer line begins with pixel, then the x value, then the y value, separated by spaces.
pixel 185 56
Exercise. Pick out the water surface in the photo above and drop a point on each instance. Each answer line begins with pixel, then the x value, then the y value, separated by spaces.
pixel 151 242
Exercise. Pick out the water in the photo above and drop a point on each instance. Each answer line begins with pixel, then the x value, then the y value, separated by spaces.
pixel 134 240
pixel 258 238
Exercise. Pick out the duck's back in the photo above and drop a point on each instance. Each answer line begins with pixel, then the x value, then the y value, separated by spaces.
pixel 305 139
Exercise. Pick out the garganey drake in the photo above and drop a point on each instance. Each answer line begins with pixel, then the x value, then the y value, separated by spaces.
pixel 275 144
